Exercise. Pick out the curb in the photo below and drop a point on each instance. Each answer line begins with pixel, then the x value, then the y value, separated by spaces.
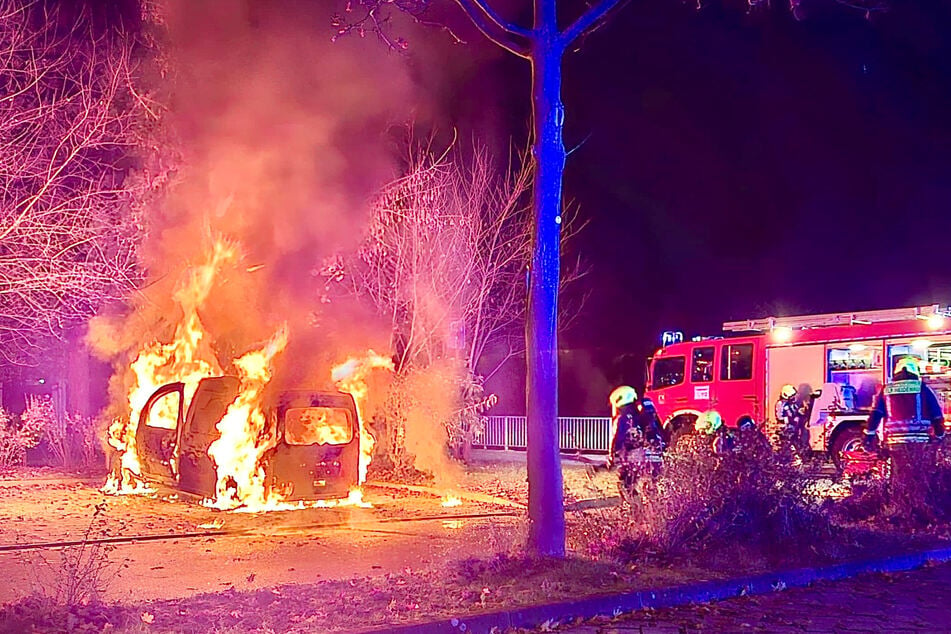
pixel 702 592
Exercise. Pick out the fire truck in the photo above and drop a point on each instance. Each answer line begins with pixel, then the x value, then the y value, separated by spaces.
pixel 838 362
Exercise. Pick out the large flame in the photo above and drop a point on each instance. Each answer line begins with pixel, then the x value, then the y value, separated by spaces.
pixel 245 434
pixel 351 377
pixel 187 358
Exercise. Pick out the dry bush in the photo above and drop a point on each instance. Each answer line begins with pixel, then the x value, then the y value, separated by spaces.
pixel 15 438
pixel 79 574
pixel 72 441
pixel 879 498
pixel 69 585
pixel 430 417
pixel 704 500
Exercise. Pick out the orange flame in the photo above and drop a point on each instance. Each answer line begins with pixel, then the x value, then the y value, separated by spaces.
pixel 451 500
pixel 351 377
pixel 245 434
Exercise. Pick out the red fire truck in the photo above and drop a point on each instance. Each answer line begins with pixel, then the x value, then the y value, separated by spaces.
pixel 838 362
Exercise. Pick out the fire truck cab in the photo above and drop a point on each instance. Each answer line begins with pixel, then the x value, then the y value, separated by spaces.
pixel 838 362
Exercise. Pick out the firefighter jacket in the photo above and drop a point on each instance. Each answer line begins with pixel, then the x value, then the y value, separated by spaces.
pixel 640 414
pixel 907 405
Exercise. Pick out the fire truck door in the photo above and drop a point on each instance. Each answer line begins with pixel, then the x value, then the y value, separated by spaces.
pixel 737 393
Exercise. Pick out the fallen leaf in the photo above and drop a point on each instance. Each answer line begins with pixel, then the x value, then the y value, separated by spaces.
pixel 147 617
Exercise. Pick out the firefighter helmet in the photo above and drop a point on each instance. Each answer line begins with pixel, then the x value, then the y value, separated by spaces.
pixel 908 364
pixel 709 422
pixel 788 391
pixel 624 395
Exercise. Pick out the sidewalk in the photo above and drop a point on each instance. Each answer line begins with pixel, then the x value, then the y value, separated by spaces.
pixel 916 601
pixel 858 596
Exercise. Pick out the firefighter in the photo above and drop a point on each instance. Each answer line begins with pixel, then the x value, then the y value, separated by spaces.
pixel 751 439
pixel 710 424
pixel 623 412
pixel 791 416
pixel 909 408
pixel 627 415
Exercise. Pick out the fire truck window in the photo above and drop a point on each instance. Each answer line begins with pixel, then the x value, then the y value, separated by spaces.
pixel 736 362
pixel 702 369
pixel 317 426
pixel 164 412
pixel 667 372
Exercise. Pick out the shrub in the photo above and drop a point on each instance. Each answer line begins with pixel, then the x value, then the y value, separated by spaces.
pixel 15 438
pixel 71 441
pixel 703 499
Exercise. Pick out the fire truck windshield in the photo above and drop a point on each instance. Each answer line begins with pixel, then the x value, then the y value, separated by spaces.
pixel 667 372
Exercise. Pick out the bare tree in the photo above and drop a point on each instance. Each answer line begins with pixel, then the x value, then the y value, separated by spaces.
pixel 445 259
pixel 71 120
pixel 446 256
pixel 543 45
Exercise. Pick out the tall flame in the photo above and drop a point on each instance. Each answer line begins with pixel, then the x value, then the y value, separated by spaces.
pixel 187 358
pixel 246 434
pixel 351 377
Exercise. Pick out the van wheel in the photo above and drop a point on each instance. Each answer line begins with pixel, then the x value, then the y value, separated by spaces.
pixel 849 439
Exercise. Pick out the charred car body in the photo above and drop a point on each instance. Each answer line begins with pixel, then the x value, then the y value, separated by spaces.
pixel 316 452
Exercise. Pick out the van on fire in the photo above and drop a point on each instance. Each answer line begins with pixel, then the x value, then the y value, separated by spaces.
pixel 840 359
pixel 316 452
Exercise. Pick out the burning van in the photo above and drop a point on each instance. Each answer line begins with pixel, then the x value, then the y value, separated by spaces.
pixel 312 440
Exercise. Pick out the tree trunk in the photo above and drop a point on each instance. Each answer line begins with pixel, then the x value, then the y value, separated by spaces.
pixel 545 492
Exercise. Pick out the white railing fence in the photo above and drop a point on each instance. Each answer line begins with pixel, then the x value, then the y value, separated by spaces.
pixel 575 433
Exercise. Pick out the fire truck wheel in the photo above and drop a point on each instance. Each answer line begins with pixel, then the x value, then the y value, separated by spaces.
pixel 848 439
pixel 678 427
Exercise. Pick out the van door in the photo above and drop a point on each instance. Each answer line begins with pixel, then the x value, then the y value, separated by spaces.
pixel 156 436
pixel 208 406
pixel 318 455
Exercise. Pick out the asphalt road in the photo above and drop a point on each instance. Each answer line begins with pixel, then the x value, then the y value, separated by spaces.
pixel 916 601
pixel 402 530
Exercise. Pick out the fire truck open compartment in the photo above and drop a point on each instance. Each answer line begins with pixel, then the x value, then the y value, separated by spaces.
pixel 316 437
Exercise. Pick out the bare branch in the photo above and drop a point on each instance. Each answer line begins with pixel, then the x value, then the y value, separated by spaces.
pixel 70 200
pixel 496 29
pixel 375 18
pixel 590 21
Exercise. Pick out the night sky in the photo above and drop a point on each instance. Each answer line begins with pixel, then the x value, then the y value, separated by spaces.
pixel 731 164
pixel 738 165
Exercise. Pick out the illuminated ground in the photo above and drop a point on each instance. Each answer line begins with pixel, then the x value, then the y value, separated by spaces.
pixel 257 551
pixel 403 530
